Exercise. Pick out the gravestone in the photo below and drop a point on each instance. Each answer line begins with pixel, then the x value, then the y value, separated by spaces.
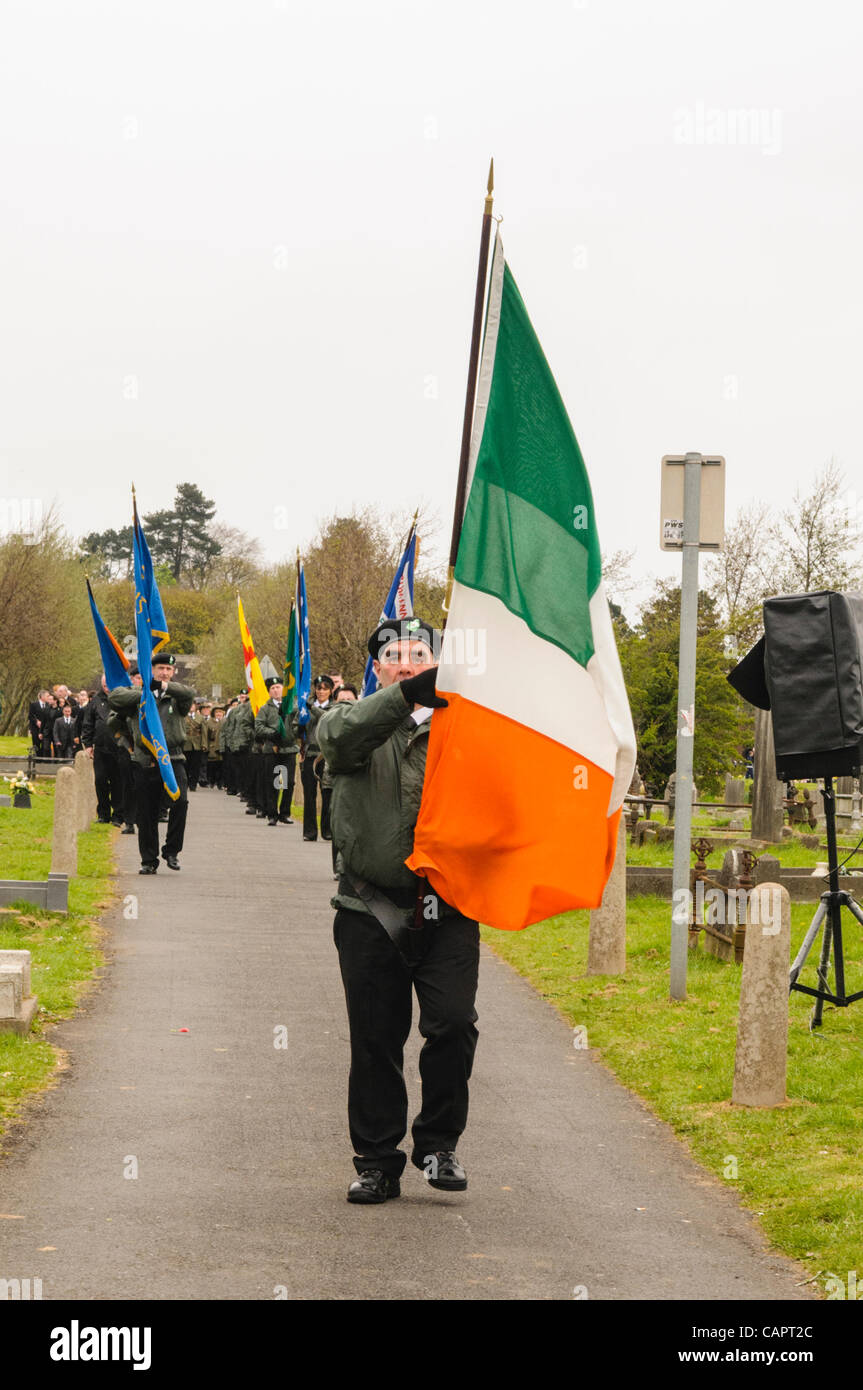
pixel 67 818
pixel 734 790
pixel 767 790
pixel 86 789
pixel 768 869
pixel 844 803
pixel 17 1004
pixel 760 1059
pixel 606 951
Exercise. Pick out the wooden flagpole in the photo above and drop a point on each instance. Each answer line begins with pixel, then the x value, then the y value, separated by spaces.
pixel 470 396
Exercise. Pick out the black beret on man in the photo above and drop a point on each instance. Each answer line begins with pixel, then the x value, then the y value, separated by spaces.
pixel 403 630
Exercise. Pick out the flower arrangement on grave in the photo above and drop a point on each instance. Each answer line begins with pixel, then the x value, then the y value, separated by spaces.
pixel 21 787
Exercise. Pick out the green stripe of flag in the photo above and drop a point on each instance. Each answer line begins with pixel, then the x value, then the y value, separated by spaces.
pixel 529 536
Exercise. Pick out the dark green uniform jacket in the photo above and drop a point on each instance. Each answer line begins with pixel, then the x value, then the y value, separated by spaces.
pixel 241 731
pixel 267 730
pixel 376 754
pixel 174 704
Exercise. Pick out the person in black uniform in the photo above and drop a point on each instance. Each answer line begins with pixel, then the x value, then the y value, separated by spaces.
pixel 309 750
pixel 113 785
pixel 393 933
pixel 174 702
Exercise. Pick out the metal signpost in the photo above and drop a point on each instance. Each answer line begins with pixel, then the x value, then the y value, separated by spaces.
pixel 692 518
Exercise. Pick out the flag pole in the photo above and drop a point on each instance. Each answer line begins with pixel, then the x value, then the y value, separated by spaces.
pixel 470 396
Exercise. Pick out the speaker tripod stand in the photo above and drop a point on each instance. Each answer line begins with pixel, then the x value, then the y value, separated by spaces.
pixel 829 913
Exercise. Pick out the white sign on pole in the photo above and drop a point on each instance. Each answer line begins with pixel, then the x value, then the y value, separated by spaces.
pixel 712 528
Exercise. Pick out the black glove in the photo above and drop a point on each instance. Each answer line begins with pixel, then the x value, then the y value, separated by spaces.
pixel 420 690
pixel 156 685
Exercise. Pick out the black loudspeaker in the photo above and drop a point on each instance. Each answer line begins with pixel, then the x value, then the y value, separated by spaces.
pixel 808 669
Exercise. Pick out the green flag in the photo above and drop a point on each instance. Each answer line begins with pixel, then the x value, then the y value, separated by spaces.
pixel 289 693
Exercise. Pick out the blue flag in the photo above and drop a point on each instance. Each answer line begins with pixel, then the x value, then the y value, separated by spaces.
pixel 304 658
pixel 149 625
pixel 115 663
pixel 399 604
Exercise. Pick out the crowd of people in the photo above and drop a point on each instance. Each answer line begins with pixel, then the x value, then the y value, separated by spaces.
pixel 56 719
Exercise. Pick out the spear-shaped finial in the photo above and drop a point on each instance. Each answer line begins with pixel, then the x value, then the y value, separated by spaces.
pixel 490 187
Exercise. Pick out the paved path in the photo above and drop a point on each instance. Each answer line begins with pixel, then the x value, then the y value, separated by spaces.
pixel 242 1151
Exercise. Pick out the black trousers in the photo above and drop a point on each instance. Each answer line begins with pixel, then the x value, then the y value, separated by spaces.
pixel 378 987
pixel 278 775
pixel 310 800
pixel 193 763
pixel 110 787
pixel 148 795
pixel 127 784
pixel 214 772
pixel 229 772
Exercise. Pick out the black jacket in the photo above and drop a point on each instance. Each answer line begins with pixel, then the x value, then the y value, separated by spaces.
pixel 94 727
pixel 66 737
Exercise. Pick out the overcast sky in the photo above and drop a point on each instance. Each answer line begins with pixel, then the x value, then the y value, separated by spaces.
pixel 239 244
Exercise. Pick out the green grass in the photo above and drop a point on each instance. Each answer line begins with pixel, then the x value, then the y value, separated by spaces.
pixel 13 745
pixel 65 950
pixel 799 1166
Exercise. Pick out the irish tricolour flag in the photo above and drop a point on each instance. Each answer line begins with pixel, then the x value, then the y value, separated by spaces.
pixel 528 766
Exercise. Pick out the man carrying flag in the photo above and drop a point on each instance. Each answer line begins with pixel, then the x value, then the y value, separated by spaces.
pixel 153 719
pixel 499 803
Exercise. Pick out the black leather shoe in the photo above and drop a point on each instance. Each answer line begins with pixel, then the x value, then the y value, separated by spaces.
pixel 261 815
pixel 373 1186
pixel 128 830
pixel 149 869
pixel 272 821
pixel 443 1170
pixel 250 811
pixel 171 860
pixel 103 820
pixel 117 820
pixel 311 838
pixel 285 820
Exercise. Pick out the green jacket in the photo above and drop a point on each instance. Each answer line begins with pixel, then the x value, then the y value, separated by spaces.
pixel 212 728
pixel 174 704
pixel 240 734
pixel 311 743
pixel 267 730
pixel 194 727
pixel 376 755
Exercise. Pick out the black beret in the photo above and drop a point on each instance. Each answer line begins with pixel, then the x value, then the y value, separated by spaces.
pixel 403 630
pixel 324 680
pixel 164 659
pixel 271 681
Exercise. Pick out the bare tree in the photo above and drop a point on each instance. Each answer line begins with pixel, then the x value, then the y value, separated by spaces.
pixel 818 538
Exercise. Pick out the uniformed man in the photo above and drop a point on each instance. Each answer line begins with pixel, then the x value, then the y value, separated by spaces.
pixel 279 756
pixel 214 751
pixel 174 702
pixel 392 931
pixel 193 751
pixel 317 703
pixel 113 801
pixel 242 741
